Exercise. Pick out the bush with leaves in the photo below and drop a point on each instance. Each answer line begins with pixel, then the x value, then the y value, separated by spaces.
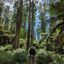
pixel 22 43
pixel 43 57
pixel 5 57
pixel 6 48
pixel 18 56
pixel 43 45
pixel 36 44
pixel 48 57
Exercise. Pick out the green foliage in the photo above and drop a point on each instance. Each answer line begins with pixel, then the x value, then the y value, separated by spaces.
pixel 47 57
pixel 18 56
pixel 5 57
pixel 58 59
pixel 8 19
pixel 36 44
pixel 43 57
pixel 52 9
pixel 6 47
pixel 22 33
pixel 43 45
pixel 50 47
pixel 22 43
pixel 56 41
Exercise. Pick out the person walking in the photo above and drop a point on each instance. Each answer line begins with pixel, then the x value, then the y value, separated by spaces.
pixel 32 53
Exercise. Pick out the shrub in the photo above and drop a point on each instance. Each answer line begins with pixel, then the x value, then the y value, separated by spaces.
pixel 19 56
pixel 36 44
pixel 5 57
pixel 58 59
pixel 47 57
pixel 6 47
pixel 22 43
pixel 42 45
pixel 43 58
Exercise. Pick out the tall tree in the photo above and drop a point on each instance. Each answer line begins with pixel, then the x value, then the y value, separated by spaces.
pixel 32 21
pixel 29 19
pixel 18 23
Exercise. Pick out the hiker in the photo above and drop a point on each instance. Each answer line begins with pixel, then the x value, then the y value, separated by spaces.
pixel 32 53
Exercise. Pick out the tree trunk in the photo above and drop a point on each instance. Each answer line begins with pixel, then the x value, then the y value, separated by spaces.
pixel 18 23
pixel 29 19
pixel 32 23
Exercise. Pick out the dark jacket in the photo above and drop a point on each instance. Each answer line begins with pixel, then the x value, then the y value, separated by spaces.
pixel 32 51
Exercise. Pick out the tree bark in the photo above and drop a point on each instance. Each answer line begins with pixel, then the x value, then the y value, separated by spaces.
pixel 18 23
pixel 29 19
pixel 32 23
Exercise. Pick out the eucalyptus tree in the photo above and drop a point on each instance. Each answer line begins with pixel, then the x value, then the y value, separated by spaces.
pixel 33 7
pixel 18 22
pixel 24 20
pixel 31 23
pixel 29 19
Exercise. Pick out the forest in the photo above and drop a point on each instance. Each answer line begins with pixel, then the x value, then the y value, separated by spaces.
pixel 27 23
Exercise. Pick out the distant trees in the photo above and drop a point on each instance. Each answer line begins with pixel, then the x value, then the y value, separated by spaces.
pixel 1 14
pixel 31 18
pixel 57 24
pixel 19 19
pixel 32 21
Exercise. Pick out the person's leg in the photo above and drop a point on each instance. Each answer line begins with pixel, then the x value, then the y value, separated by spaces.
pixel 33 60
pixel 30 59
